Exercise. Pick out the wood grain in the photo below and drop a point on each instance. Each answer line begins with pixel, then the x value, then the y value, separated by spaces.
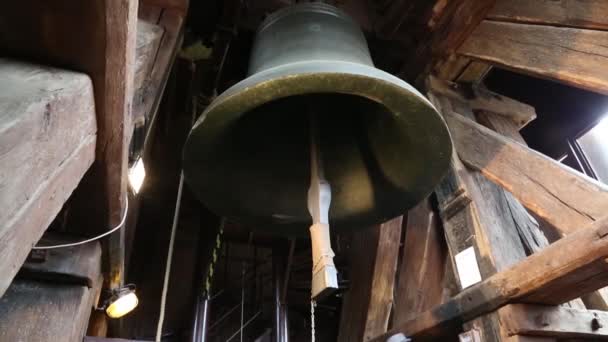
pixel 479 98
pixel 148 40
pixel 47 142
pixel 559 195
pixel 38 312
pixel 561 272
pixel 591 14
pixel 420 281
pixel 573 56
pixel 554 321
pixel 368 302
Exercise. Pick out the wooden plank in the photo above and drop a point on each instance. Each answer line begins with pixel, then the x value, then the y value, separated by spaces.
pixel 39 311
pixel 419 284
pixel 564 270
pixel 591 14
pixel 367 304
pixel 474 72
pixel 486 223
pixel 554 321
pixel 180 6
pixel 448 25
pixel 105 339
pixel 559 195
pixel 96 37
pixel 479 98
pixel 75 265
pixel 47 142
pixel 573 56
pixel 147 43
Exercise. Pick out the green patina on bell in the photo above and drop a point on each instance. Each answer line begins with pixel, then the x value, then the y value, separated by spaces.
pixel 383 145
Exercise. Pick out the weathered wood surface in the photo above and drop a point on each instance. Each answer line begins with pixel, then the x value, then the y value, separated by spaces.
pixel 47 143
pixel 79 265
pixel 178 6
pixel 440 27
pixel 39 311
pixel 485 220
pixel 479 98
pixel 105 339
pixel 573 56
pixel 148 40
pixel 147 102
pixel 592 14
pixel 99 38
pixel 562 271
pixel 554 321
pixel 559 195
pixel 419 278
pixel 368 302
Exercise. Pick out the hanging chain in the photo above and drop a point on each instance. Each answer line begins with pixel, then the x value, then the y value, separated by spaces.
pixel 312 319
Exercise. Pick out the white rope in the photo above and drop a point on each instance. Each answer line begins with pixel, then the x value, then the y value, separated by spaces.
pixel 163 298
pixel 122 222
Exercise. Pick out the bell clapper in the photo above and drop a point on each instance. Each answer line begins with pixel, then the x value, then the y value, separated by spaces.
pixel 324 273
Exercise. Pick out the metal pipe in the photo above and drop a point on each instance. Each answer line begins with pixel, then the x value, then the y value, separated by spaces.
pixel 201 319
pixel 280 331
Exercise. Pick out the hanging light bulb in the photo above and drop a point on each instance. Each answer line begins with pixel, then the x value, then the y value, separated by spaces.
pixel 122 301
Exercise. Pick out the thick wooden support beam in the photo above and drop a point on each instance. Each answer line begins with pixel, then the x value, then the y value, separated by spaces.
pixel 577 57
pixel 554 321
pixel 564 270
pixel 47 143
pixel 449 25
pixel 79 265
pixel 559 195
pixel 479 98
pixel 420 281
pixel 41 311
pixel 591 14
pixel 367 304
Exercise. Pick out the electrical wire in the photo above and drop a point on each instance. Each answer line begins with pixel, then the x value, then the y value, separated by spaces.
pixel 72 244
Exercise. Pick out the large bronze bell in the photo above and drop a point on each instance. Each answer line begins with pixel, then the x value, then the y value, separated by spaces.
pixel 383 146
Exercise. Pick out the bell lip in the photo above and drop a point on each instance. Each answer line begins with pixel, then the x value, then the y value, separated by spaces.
pixel 275 83
pixel 303 7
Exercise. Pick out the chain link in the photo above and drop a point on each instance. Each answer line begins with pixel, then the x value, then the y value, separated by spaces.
pixel 312 319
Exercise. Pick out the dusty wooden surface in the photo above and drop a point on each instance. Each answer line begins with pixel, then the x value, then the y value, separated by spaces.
pixel 420 278
pixel 559 273
pixel 368 302
pixel 148 40
pixel 559 195
pixel 36 311
pixel 554 321
pixel 591 14
pixel 47 142
pixel 478 98
pixel 573 56
pixel 74 265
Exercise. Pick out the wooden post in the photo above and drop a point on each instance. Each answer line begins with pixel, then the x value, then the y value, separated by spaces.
pixel 367 304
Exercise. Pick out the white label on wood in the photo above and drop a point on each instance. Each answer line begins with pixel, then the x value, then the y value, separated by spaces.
pixel 468 270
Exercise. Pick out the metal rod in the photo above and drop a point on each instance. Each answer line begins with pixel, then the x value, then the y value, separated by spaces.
pixel 224 316
pixel 201 319
pixel 292 247
pixel 244 326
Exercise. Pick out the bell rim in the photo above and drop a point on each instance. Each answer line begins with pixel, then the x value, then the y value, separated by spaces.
pixel 273 84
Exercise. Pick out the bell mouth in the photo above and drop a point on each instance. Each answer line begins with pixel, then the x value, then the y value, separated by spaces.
pixel 383 147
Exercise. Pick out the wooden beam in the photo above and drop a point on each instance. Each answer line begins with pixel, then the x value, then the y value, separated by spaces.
pixel 367 304
pixel 149 36
pixel 559 195
pixel 74 265
pixel 591 14
pixel 479 98
pixel 447 26
pixel 39 311
pixel 554 321
pixel 564 270
pixel 47 143
pixel 419 284
pixel 573 56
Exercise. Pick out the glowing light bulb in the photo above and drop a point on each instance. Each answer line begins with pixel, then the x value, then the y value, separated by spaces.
pixel 122 305
pixel 137 174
